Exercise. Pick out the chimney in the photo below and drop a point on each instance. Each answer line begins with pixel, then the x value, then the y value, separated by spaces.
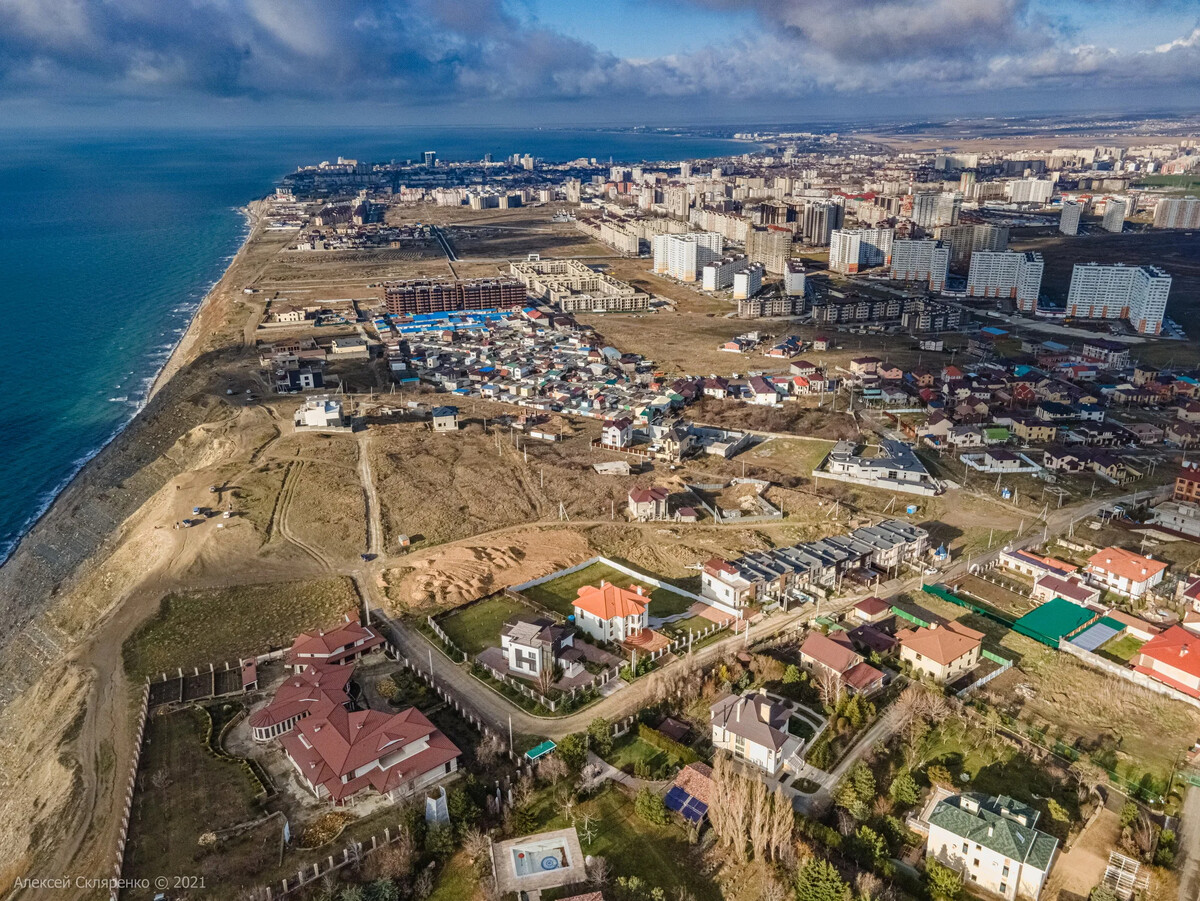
pixel 639 589
pixel 737 716
pixel 991 829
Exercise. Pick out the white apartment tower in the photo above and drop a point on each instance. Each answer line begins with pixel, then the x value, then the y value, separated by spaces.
pixel 854 249
pixel 1114 214
pixel 1136 293
pixel 1068 223
pixel 1030 190
pixel 683 256
pixel 921 261
pixel 748 282
pixel 719 275
pixel 934 208
pixel 1010 274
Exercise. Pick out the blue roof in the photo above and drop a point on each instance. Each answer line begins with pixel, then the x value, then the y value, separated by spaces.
pixel 992 330
pixel 541 750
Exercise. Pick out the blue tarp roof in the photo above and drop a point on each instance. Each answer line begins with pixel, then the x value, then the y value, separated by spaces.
pixel 541 750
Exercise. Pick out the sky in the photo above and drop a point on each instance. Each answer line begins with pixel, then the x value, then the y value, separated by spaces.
pixel 587 62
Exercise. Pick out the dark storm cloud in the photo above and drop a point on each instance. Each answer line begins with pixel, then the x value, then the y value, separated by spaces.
pixel 442 52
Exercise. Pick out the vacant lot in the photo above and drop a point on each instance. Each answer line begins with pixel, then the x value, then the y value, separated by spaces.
pixel 795 418
pixel 559 595
pixel 212 626
pixel 478 626
pixel 183 793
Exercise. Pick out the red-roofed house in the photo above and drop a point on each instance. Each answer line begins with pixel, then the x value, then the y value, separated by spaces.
pixel 648 503
pixel 339 753
pixel 609 613
pixel 871 610
pixel 1124 571
pixel 334 647
pixel 1173 658
pixel 835 653
pixel 616 433
pixel 1051 586
pixel 295 698
pixel 944 653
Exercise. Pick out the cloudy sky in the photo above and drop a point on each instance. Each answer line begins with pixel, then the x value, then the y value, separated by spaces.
pixel 612 61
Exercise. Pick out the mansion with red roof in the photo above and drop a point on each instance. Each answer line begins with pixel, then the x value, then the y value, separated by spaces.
pixel 339 751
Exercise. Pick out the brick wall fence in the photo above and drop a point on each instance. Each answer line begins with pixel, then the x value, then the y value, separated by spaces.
pixel 119 860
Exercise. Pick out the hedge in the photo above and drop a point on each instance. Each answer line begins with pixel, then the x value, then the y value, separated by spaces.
pixel 669 745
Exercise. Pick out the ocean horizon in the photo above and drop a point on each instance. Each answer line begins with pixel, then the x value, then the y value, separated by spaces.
pixel 118 237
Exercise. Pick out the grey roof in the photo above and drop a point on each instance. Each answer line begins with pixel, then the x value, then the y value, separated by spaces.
pixel 531 632
pixel 755 717
pixel 999 823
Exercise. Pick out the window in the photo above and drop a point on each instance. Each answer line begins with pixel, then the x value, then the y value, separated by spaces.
pixel 966 847
pixel 976 863
pixel 1004 872
pixel 1004 888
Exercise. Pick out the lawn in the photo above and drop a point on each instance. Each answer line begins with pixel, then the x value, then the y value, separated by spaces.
pixel 456 880
pixel 196 628
pixel 681 627
pixel 801 728
pixel 796 456
pixel 630 749
pixel 478 626
pixel 183 792
pixel 658 855
pixel 1121 650
pixel 559 594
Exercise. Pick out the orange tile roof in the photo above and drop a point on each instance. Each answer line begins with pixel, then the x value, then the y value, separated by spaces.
pixel 944 645
pixel 1125 564
pixel 607 601
pixel 1176 647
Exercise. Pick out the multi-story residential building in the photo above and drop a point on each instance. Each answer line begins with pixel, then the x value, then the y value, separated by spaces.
pixel 942 653
pixel 575 287
pixel 1117 291
pixel 608 613
pixel 748 282
pixel 770 305
pixel 1068 222
pixel 993 842
pixel 853 249
pixel 821 218
pixel 1177 212
pixel 934 208
pixel 1007 274
pixel 533 646
pixel 432 296
pixel 683 256
pixel 1030 190
pixel 771 246
pixel 718 276
pixel 921 261
pixel 793 279
pixel 1115 209
pixel 965 240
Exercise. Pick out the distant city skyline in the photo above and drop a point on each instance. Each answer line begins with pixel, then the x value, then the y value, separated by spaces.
pixel 527 62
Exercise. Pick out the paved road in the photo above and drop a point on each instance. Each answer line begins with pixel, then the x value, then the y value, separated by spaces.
pixel 1189 846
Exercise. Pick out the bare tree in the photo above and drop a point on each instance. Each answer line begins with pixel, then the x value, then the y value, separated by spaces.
pixel 759 816
pixel 423 884
pixel 488 751
pixel 783 824
pixel 546 677
pixel 773 890
pixel 597 872
pixel 829 687
pixel 552 769
pixel 477 847
pixel 868 886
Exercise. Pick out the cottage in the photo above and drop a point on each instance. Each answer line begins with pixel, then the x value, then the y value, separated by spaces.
pixel 608 613
pixel 753 728
pixel 648 503
pixel 533 646
pixel 943 653
pixel 1172 658
pixel 445 419
pixel 616 433
pixel 993 843
pixel 1073 589
pixel 1124 572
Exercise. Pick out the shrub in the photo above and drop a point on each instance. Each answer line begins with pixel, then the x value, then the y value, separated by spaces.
pixel 944 884
pixel 668 745
pixel 903 790
pixel 599 733
pixel 649 806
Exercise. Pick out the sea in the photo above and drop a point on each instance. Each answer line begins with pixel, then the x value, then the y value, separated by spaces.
pixel 114 238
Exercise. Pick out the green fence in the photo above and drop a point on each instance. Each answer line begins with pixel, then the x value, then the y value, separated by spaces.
pixel 995 658
pixel 995 615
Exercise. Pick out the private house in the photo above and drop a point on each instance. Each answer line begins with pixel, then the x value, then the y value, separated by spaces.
pixel 1124 572
pixel 762 392
pixel 835 654
pixel 802 368
pixel 895 468
pixel 1065 459
pixel 1033 430
pixel 1070 588
pixel 534 646
pixel 1187 485
pixel 1173 658
pixel 445 419
pixel 648 503
pixel 616 433
pixel 1183 434
pixel 339 646
pixel 321 414
pixel 294 699
pixel 1030 564
pixel 338 753
pixel 861 366
pixel 993 842
pixel 942 653
pixel 753 728
pixel 871 610
pixel 608 613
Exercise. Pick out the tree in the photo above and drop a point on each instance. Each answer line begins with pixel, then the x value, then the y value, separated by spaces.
pixel 864 782
pixel 350 893
pixel 818 880
pixel 476 846
pixel 599 733
pixel 1057 812
pixel 939 775
pixel 573 751
pixel 649 806
pixel 943 883
pixel 870 846
pixel 847 798
pixel 791 674
pixel 597 872
pixel 464 812
pixel 1129 813
pixel 439 841
pixel 553 769
pixel 903 790
pixel 381 890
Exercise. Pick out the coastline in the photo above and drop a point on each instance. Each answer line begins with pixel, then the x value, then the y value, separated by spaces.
pixel 170 365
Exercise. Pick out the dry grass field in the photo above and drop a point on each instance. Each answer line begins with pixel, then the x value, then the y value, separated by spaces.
pixel 194 628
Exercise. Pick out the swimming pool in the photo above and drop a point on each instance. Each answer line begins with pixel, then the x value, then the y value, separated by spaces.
pixel 540 857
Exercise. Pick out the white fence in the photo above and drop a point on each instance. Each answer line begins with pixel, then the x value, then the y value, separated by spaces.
pixel 1129 675
pixel 619 567
pixel 119 862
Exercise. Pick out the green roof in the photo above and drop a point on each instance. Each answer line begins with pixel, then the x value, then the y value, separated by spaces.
pixel 997 432
pixel 978 818
pixel 1053 620
pixel 1112 623
pixel 540 750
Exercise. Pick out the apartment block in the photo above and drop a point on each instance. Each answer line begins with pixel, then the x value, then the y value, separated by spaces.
pixel 853 249
pixel 1117 291
pixel 1017 276
pixel 1068 223
pixel 434 296
pixel 683 256
pixel 921 261
pixel 1177 212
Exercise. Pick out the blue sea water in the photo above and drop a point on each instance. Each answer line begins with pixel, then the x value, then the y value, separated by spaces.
pixel 113 239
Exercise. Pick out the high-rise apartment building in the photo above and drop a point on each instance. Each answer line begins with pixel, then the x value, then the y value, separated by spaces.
pixel 1068 223
pixel 683 256
pixel 1006 274
pixel 1030 190
pixel 821 218
pixel 771 246
pixel 1177 212
pixel 854 249
pixel 748 282
pixel 677 201
pixel 1117 291
pixel 965 240
pixel 718 275
pixel 1114 215
pixel 921 261
pixel 934 208
pixel 430 157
